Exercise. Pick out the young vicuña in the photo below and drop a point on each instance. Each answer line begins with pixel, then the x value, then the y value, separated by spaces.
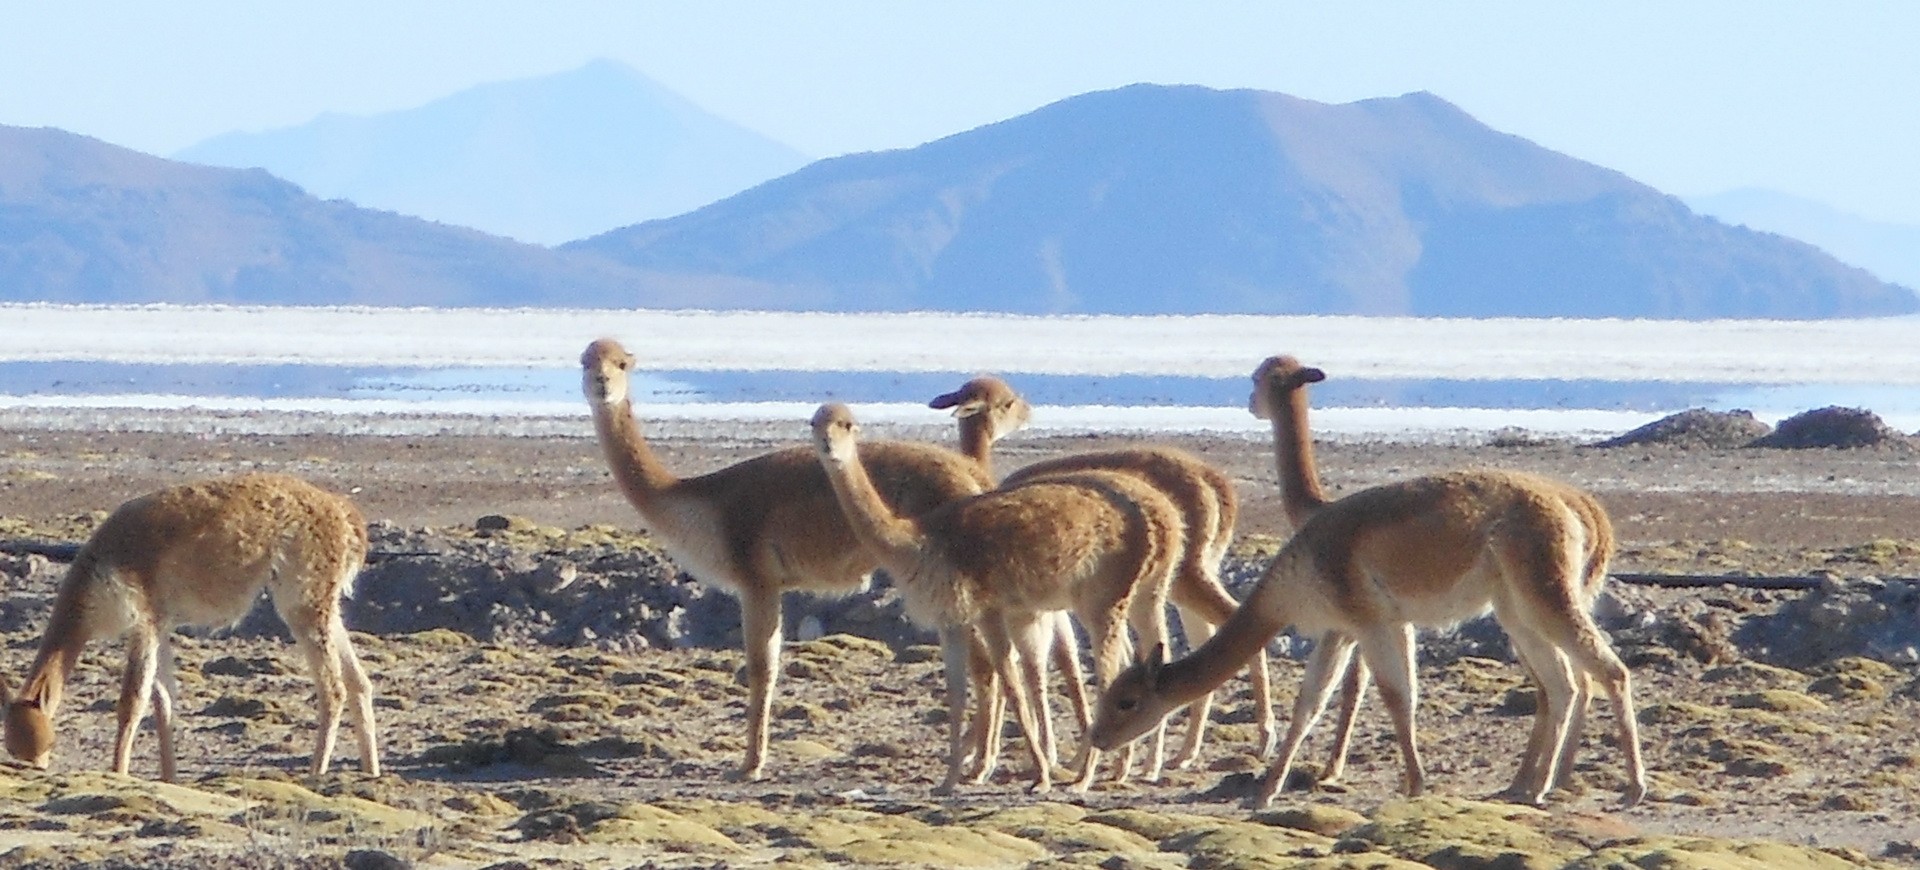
pixel 988 409
pixel 1101 544
pixel 199 554
pixel 1363 571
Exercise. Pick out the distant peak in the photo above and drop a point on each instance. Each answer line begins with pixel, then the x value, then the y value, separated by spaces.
pixel 604 67
pixel 1424 102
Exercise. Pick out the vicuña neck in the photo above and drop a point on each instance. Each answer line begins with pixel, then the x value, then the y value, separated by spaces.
pixel 898 540
pixel 69 629
pixel 976 441
pixel 635 466
pixel 1223 655
pixel 1300 491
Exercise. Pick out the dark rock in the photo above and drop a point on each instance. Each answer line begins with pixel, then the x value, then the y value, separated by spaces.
pixel 374 859
pixel 1834 427
pixel 1695 427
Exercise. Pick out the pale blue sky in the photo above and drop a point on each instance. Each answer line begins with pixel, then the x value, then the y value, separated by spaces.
pixel 1812 98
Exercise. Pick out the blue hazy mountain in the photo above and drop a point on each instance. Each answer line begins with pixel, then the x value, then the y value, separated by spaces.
pixel 1146 199
pixel 85 221
pixel 542 160
pixel 1889 250
pixel 1170 199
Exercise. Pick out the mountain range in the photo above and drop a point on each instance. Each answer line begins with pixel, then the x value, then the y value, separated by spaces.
pixel 543 160
pixel 1145 199
pixel 1889 250
pixel 85 221
pixel 1156 199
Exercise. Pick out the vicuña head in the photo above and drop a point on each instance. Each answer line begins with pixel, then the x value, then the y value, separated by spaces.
pixel 835 432
pixel 1135 701
pixel 29 729
pixel 988 409
pixel 1279 376
pixel 603 372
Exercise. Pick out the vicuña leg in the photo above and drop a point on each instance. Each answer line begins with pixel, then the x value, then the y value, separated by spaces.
pixel 984 727
pixel 1198 616
pixel 958 644
pixel 1555 635
pixel 760 623
pixel 1198 629
pixel 1019 644
pixel 1066 660
pixel 359 697
pixel 1108 634
pixel 165 689
pixel 136 690
pixel 1327 662
pixel 1148 616
pixel 1593 655
pixel 1352 690
pixel 1389 652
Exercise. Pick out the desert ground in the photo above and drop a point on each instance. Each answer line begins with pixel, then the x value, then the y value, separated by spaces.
pixel 552 693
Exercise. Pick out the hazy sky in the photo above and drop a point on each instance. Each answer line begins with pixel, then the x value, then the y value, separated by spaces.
pixel 1812 98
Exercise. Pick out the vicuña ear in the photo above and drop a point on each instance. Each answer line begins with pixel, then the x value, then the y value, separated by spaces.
pixel 1151 667
pixel 38 692
pixel 947 400
pixel 6 691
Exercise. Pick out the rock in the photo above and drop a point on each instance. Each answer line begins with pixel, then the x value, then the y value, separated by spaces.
pixel 373 859
pixel 1834 426
pixel 1695 427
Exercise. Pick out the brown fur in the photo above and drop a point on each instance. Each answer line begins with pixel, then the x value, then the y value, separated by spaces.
pixel 1099 543
pixel 989 409
pixel 199 554
pixel 986 407
pixel 762 526
pixel 1428 551
pixel 1280 395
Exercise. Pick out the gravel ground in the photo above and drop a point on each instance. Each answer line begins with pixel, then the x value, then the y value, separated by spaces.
pixel 576 720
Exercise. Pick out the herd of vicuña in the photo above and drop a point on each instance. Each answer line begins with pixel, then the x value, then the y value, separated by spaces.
pixel 1001 570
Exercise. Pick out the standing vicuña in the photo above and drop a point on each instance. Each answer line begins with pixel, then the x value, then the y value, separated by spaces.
pixel 988 409
pixel 761 526
pixel 1102 544
pixel 1431 551
pixel 1280 396
pixel 199 554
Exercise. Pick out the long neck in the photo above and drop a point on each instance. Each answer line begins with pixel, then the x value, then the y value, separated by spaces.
pixel 1224 654
pixel 635 467
pixel 898 541
pixel 976 441
pixel 1300 491
pixel 69 629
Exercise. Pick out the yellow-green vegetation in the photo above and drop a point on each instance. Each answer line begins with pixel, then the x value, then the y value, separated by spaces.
pixel 1879 552
pixel 1458 832
pixel 1754 675
pixel 1776 700
pixel 414 821
pixel 1691 853
pixel 1849 686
